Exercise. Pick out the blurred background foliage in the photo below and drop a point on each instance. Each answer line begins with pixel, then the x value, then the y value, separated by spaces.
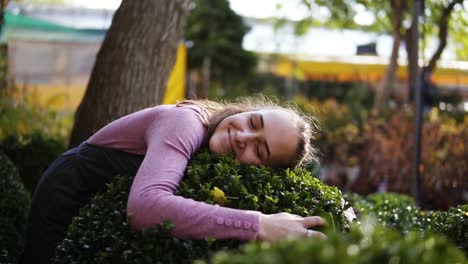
pixel 216 33
pixel 360 152
pixel 24 114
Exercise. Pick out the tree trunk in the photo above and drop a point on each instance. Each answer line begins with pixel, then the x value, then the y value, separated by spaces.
pixel 133 64
pixel 428 69
pixel 386 85
pixel 409 53
pixel 443 33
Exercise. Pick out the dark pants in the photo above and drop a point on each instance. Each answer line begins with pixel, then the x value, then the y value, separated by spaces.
pixel 66 186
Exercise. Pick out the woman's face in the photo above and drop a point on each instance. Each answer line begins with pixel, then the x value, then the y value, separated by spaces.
pixel 266 136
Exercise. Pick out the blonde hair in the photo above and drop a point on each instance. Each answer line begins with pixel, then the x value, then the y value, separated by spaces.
pixel 215 112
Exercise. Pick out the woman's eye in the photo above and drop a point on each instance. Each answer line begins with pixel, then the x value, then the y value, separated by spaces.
pixel 252 125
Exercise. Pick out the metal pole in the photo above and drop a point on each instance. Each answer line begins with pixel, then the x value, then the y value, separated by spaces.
pixel 415 83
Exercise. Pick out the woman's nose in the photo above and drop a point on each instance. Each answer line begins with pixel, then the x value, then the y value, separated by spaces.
pixel 243 137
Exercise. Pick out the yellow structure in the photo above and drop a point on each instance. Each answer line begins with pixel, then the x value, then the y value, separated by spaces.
pixel 175 90
pixel 364 68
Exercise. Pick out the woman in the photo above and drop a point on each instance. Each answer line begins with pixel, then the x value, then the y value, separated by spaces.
pixel 155 145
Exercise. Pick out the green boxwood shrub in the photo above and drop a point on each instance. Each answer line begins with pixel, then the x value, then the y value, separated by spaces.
pixel 14 206
pixel 452 224
pixel 31 154
pixel 399 212
pixel 101 234
pixel 367 244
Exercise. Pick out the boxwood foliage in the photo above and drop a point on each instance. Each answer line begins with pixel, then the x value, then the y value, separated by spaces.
pixel 369 243
pixel 400 212
pixel 393 210
pixel 453 224
pixel 14 205
pixel 31 154
pixel 101 234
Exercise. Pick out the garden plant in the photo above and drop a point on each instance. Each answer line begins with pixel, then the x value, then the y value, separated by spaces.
pixel 101 234
pixel 390 228
pixel 14 205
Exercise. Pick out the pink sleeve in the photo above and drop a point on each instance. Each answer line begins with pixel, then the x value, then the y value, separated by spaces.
pixel 171 140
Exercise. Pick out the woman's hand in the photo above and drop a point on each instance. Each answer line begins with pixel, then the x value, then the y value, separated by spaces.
pixel 288 226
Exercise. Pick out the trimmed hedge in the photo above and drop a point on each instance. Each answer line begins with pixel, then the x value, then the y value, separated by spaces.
pixel 369 243
pixel 397 211
pixel 101 234
pixel 14 206
pixel 453 224
pixel 400 213
pixel 31 154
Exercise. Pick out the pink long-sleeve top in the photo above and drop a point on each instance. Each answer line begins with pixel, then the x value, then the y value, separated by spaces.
pixel 168 136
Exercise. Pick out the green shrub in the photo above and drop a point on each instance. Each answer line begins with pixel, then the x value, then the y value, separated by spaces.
pixel 21 114
pixel 397 211
pixel 368 244
pixel 101 234
pixel 400 213
pixel 31 154
pixel 261 188
pixel 14 206
pixel 452 224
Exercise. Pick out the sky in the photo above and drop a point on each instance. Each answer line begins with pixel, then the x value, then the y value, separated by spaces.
pixel 290 9
pixel 107 4
pixel 251 8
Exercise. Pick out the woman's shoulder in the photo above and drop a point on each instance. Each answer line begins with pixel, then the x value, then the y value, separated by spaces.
pixel 181 123
pixel 180 112
pixel 165 110
pixel 176 118
pixel 177 111
pixel 202 113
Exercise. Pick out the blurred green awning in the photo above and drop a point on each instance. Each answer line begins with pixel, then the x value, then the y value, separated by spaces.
pixel 21 27
pixel 20 21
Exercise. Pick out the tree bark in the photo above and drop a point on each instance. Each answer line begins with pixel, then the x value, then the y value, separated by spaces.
pixel 428 69
pixel 386 85
pixel 133 64
pixel 409 52
pixel 443 33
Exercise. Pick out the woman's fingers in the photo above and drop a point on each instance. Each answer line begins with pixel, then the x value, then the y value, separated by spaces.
pixel 311 221
pixel 285 226
pixel 315 234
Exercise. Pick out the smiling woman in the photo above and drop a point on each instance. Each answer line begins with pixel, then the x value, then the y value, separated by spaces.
pixel 256 130
pixel 268 137
pixel 155 145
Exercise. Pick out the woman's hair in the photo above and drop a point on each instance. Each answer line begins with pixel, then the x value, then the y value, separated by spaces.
pixel 215 112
